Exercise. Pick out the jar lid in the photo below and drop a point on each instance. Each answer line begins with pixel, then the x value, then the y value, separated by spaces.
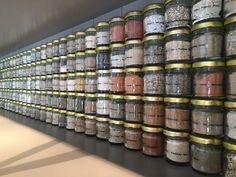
pixel 176 100
pixel 80 54
pixel 90 73
pixel 229 104
pixel 103 95
pixel 167 2
pixel 91 95
pixel 231 62
pixel 71 36
pixel 49 109
pixel 102 119
pixel 49 60
pixel 117 45
pixel 56 41
pixel 132 42
pixel 79 115
pixel 49 44
pixel 63 57
pixel 117 19
pixel 43 107
pixel 63 93
pixel 49 76
pixel 43 62
pixel 133 70
pixel 43 46
pixel 152 129
pixel 71 55
pixel 177 66
pixel 80 74
pixel 132 125
pixel 152 98
pixel 56 75
pixel 153 68
pixel 117 97
pixel 71 93
pixel 205 140
pixel 133 13
pixel 153 37
pixel 55 58
pixel 206 25
pixel 103 71
pixel 229 146
pixel 56 93
pixel 131 97
pixel 63 75
pixel 116 122
pixel 207 102
pixel 80 94
pixel 177 31
pixel 49 92
pixel 153 6
pixel 90 52
pixel 38 48
pixel 91 30
pixel 63 111
pixel 99 24
pixel 43 92
pixel 55 110
pixel 43 77
pixel 71 74
pixel 29 51
pixel 117 70
pixel 208 64
pixel 229 20
pixel 63 39
pixel 176 134
pixel 100 48
pixel 80 33
pixel 90 117
pixel 70 113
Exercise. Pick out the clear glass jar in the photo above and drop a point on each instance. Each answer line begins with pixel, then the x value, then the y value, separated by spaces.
pixel 134 25
pixel 71 63
pixel 134 81
pixel 49 50
pixel 117 81
pixel 42 82
pixel 48 85
pixel 103 33
pixel 43 52
pixel 117 30
pixel 43 98
pixel 38 53
pixel 203 10
pixel 90 60
pixel 153 111
pixel 177 147
pixel 62 118
pixel 49 66
pixel 207 41
pixel 71 82
pixel 230 121
pixel 90 38
pixel 133 136
pixel 153 50
pixel 103 58
pixel 207 117
pixel 55 116
pixel 103 81
pixel 70 120
pixel 209 79
pixel 230 36
pixel 32 55
pixel 43 67
pixel 229 159
pixel 90 82
pixel 177 114
pixel 79 123
pixel 117 55
pixel 56 65
pixel 56 82
pixel 62 46
pixel 90 125
pixel 71 97
pixel 117 107
pixel 63 64
pixel 177 13
pixel 80 61
pixel 229 7
pixel 49 99
pixel 206 155
pixel 63 82
pixel 80 102
pixel 90 104
pixel 178 80
pixel 62 100
pixel 37 97
pixel 154 19
pixel 80 41
pixel 70 44
pixel 102 128
pixel 48 115
pixel 116 132
pixel 55 99
pixel 133 53
pixel 42 113
pixel 55 48
pixel 153 141
pixel 103 105
pixel 134 109
pixel 231 80
pixel 80 81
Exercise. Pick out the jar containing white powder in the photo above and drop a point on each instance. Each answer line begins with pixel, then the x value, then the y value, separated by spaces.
pixel 230 121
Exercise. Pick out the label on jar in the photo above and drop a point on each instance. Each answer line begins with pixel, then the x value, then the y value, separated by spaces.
pixel 55 119
pixel 80 44
pixel 103 83
pixel 90 42
pixel 230 44
pixel 103 38
pixel 70 85
pixel 154 24
pixel 117 60
pixel 103 107
pixel 62 85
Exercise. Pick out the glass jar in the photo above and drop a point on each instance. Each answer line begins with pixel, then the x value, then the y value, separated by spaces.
pixel 80 61
pixel 70 120
pixel 230 121
pixel 43 67
pixel 102 127
pixel 205 10
pixel 209 79
pixel 49 66
pixel 134 81
pixel 48 115
pixel 103 58
pixel 48 85
pixel 117 81
pixel 62 118
pixel 117 107
pixel 62 46
pixel 154 19
pixel 56 82
pixel 43 52
pixel 178 80
pixel 134 109
pixel 153 111
pixel 80 81
pixel 102 35
pixel 177 114
pixel 49 50
pixel 71 63
pixel 80 41
pixel 90 60
pixel 43 98
pixel 90 125
pixel 42 113
pixel 90 38
pixel 90 82
pixel 206 155
pixel 133 136
pixel 117 55
pixel 79 123
pixel 207 41
pixel 134 25
pixel 229 159
pixel 56 65
pixel 207 117
pixel 90 104
pixel 116 132
pixel 55 116
pixel 103 105
pixel 153 141
pixel 42 83
pixel 177 147
pixel 63 100
pixel 32 55
pixel 63 64
pixel 133 53
pixel 230 36
pixel 177 13
pixel 70 82
pixel 80 102
pixel 231 80
pixel 229 7
pixel 103 81
pixel 63 82
pixel 70 44
pixel 117 30
pixel 55 48
pixel 38 53
pixel 71 97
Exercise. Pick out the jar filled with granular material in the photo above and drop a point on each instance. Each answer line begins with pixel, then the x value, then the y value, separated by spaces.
pixel 153 111
pixel 103 105
pixel 42 82
pixel 70 120
pixel 178 80
pixel 79 123
pixel 71 97
pixel 177 114
pixel 62 46
pixel 154 80
pixel 153 141
pixel 178 45
pixel 80 81
pixel 42 113
pixel 117 30
pixel 134 81
pixel 103 81
pixel 134 25
pixel 56 82
pixel 38 53
pixel 229 7
pixel 55 116
pixel 80 61
pixel 49 50
pixel 56 65
pixel 63 100
pixel 133 53
pixel 90 60
pixel 80 41
pixel 63 82
pixel 230 36
pixel 80 102
pixel 177 13
pixel 70 44
pixel 43 67
pixel 154 19
pixel 63 64
pixel 177 147
pixel 207 41
pixel 90 104
pixel 48 115
pixel 206 155
pixel 230 121
pixel 43 98
pixel 203 10
pixel 209 79
pixel 231 80
pixel 103 58
pixel 153 50
pixel 133 136
pixel 103 33
pixel 229 159
pixel 71 63
pixel 62 118
pixel 43 52
pixel 37 68
pixel 90 82
pixel 133 109
pixel 55 48
pixel 117 55
pixel 102 127
pixel 32 55
pixel 48 85
pixel 71 82
pixel 117 81
pixel 49 66
pixel 207 117
pixel 116 132
pixel 49 99
pixel 117 107
pixel 90 125
pixel 90 38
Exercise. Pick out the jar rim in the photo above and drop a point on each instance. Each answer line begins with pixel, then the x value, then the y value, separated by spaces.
pixel 103 71
pixel 90 29
pixel 117 19
pixel 70 113
pixel 102 119
pixel 208 64
pixel 79 115
pixel 117 96
pixel 153 6
pixel 80 33
pixel 201 140
pixel 177 31
pixel 117 70
pixel 102 95
pixel 132 97
pixel 176 100
pixel 133 70
pixel 207 25
pixel 153 37
pixel 176 134
pixel 117 45
pixel 153 98
pixel 133 13
pixel 230 104
pixel 116 122
pixel 90 95
pixel 230 20
pixel 90 117
pixel 231 62
pixel 152 68
pixel 80 53
pixel 102 48
pixel 71 36
pixel 90 52
pixel 132 42
pixel 177 66
pixel 229 146
pixel 207 102
pixel 132 125
pixel 151 129
pixel 100 24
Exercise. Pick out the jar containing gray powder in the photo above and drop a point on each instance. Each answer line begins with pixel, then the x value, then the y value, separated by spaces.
pixel 231 80
pixel 90 125
pixel 71 63
pixel 55 48
pixel 117 55
pixel 230 120
pixel 90 82
pixel 80 41
pixel 56 65
pixel 229 7
pixel 230 36
pixel 116 132
pixel 63 100
pixel 79 102
pixel 229 158
pixel 71 96
pixel 62 46
pixel 133 108
pixel 80 61
pixel 62 118
pixel 70 120
pixel 79 123
pixel 117 107
pixel 102 127
pixel 49 115
pixel 103 105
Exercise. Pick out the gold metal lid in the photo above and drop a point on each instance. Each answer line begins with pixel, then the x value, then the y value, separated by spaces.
pixel 70 113
pixel 63 39
pixel 80 54
pixel 103 95
pixel 176 134
pixel 56 75
pixel 55 58
pixel 71 74
pixel 177 31
pixel 80 115
pixel 90 95
pixel 121 97
pixel 80 74
pixel 207 25
pixel 90 73
pixel 100 48
pixel 176 100
pixel 91 30
pixel 56 41
pixel 207 102
pixel 49 76
pixel 71 55
pixel 153 6
pixel 230 104
pixel 132 42
pixel 177 66
pixel 71 36
pixel 80 94
pixel 55 110
pixel 200 140
pixel 71 93
pixel 117 70
pixel 153 68
pixel 103 71
pixel 63 75
pixel 102 119
pixel 116 122
pixel 49 60
pixel 133 13
pixel 117 45
pixel 229 146
pixel 49 44
pixel 117 19
pixel 80 33
pixel 62 93
pixel 90 117
pixel 43 46
pixel 132 125
pixel 231 62
pixel 208 64
pixel 153 37
pixel 63 111
pixel 153 98
pixel 63 57
pixel 152 129
pixel 133 70
pixel 131 97
pixel 90 52
pixel 99 24
pixel 230 20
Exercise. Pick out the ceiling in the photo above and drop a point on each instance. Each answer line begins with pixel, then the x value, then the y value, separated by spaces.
pixel 27 21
